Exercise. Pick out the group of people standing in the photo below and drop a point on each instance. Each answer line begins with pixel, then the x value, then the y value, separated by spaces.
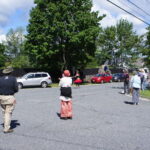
pixel 9 86
pixel 134 84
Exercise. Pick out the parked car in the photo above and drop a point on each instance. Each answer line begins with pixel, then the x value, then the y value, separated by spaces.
pixel 118 77
pixel 42 79
pixel 101 78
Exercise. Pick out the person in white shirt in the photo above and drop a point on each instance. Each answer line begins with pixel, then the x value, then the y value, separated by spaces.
pixel 143 76
pixel 135 85
pixel 66 96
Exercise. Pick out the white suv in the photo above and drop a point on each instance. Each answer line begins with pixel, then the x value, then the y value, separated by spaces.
pixel 42 79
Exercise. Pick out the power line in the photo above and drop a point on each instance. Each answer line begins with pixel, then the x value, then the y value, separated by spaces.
pixel 138 7
pixel 129 12
pixel 131 8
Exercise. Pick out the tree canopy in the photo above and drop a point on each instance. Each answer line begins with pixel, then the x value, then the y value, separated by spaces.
pixel 14 42
pixel 2 55
pixel 146 50
pixel 119 45
pixel 14 49
pixel 62 33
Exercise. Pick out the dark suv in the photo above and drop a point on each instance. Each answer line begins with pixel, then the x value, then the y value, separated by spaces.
pixel 118 77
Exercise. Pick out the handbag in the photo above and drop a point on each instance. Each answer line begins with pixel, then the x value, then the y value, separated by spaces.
pixel 66 91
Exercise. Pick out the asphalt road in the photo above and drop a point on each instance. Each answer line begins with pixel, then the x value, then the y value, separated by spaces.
pixel 101 121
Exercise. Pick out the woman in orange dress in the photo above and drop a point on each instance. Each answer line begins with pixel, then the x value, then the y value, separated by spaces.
pixel 66 96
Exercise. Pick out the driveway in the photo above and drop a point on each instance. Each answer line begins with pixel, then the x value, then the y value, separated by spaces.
pixel 101 121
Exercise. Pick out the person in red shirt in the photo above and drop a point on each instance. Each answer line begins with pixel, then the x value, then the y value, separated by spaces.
pixel 77 80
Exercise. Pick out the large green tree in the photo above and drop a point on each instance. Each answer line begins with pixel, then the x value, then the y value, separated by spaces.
pixel 146 50
pixel 128 43
pixel 62 33
pixel 119 45
pixel 2 55
pixel 14 42
pixel 106 45
pixel 14 48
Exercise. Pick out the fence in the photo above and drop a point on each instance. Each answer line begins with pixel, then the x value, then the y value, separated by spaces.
pixel 86 74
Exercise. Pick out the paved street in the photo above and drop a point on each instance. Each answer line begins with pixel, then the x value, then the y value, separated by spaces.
pixel 102 121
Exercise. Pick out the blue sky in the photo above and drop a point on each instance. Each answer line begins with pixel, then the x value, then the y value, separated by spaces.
pixel 15 13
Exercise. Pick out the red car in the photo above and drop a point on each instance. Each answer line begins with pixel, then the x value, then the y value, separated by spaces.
pixel 101 78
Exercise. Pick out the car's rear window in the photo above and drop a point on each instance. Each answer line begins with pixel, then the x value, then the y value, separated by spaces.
pixel 44 75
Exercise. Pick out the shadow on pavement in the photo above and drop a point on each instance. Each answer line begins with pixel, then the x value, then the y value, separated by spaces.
pixel 14 124
pixel 58 114
pixel 35 87
pixel 117 87
pixel 127 102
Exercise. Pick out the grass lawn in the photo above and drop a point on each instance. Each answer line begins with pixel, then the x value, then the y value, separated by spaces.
pixel 145 94
pixel 56 84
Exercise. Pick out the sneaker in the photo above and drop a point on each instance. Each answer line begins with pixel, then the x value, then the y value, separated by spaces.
pixel 9 131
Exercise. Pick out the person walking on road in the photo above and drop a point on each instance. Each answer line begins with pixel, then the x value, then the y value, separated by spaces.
pixel 135 85
pixel 143 77
pixel 66 96
pixel 8 87
pixel 126 81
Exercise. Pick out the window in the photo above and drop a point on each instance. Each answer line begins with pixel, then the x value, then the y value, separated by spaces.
pixel 99 75
pixel 44 75
pixel 38 76
pixel 30 76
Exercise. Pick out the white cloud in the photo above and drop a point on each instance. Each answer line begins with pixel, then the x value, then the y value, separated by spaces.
pixel 3 20
pixel 8 7
pixel 140 31
pixel 108 20
pixel 2 37
pixel 104 4
pixel 113 13
pixel 134 20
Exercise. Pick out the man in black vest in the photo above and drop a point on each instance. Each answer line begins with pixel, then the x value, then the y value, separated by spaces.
pixel 8 87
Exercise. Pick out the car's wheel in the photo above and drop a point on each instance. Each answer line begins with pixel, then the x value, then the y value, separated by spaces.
pixel 44 84
pixel 20 85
